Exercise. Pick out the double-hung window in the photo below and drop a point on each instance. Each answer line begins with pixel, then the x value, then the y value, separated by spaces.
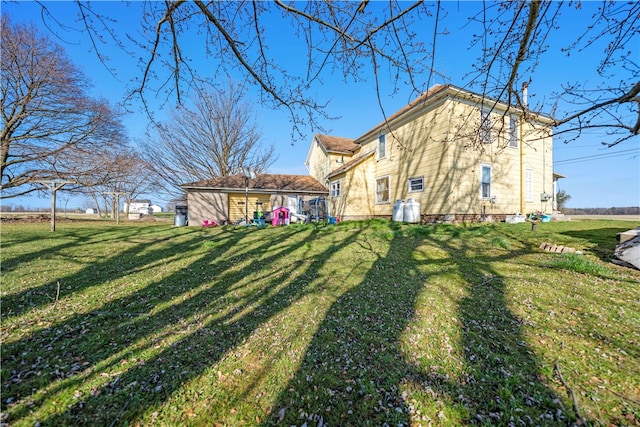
pixel 335 189
pixel 485 126
pixel 383 190
pixel 382 146
pixel 514 137
pixel 485 182
pixel 416 184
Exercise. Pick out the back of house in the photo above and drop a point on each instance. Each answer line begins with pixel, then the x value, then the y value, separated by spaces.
pixel 455 153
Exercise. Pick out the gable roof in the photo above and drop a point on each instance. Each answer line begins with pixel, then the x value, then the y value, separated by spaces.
pixel 430 97
pixel 337 144
pixel 265 183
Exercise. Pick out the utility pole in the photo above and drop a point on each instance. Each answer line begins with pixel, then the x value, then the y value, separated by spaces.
pixel 117 195
pixel 54 185
pixel 248 174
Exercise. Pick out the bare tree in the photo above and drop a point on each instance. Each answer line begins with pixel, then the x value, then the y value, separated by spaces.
pixel 514 38
pixel 121 175
pixel 391 41
pixel 48 119
pixel 217 137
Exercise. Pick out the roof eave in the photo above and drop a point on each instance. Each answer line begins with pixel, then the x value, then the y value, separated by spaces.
pixel 356 162
pixel 251 190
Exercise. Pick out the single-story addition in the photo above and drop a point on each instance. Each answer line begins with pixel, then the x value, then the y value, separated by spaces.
pixel 454 152
pixel 227 199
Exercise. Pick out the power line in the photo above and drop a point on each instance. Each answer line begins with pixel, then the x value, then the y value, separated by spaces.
pixel 595 157
pixel 566 146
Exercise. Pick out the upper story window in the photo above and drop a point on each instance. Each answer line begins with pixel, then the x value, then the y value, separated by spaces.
pixel 383 190
pixel 416 184
pixel 485 126
pixel 382 146
pixel 334 191
pixel 485 182
pixel 514 136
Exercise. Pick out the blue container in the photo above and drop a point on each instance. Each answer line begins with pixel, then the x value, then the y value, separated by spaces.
pixel 333 220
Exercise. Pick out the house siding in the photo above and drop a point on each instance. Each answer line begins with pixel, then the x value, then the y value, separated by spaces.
pixel 322 162
pixel 357 198
pixel 539 157
pixel 207 205
pixel 237 203
pixel 318 162
pixel 441 143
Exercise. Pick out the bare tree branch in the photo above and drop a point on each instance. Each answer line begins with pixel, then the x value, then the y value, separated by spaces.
pixel 218 137
pixel 398 41
pixel 47 116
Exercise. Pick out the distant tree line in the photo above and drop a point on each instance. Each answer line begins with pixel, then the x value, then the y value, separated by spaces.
pixel 631 210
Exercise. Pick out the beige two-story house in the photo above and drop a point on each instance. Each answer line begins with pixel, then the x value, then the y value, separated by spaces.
pixel 454 152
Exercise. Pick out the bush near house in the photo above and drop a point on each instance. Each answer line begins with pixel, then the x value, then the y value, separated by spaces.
pixel 362 323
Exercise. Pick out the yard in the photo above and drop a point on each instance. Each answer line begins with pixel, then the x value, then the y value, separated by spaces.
pixel 362 323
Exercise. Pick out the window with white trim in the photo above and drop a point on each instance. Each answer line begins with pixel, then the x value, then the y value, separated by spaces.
pixel 514 136
pixel 383 186
pixel 485 126
pixel 485 182
pixel 382 146
pixel 416 184
pixel 334 190
pixel 528 185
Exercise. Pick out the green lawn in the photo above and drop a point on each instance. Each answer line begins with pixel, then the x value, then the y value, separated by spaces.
pixel 363 323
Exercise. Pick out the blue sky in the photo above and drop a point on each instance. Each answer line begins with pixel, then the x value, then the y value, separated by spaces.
pixel 595 176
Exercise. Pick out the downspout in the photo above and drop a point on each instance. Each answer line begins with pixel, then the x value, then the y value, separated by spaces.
pixel 524 102
pixel 521 166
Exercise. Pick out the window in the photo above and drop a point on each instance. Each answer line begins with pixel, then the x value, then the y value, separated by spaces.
pixel 382 147
pixel 416 184
pixel 485 182
pixel 485 126
pixel 335 189
pixel 528 185
pixel 513 132
pixel 382 190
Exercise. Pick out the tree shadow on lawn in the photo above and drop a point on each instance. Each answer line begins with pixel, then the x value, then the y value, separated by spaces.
pixel 602 238
pixel 81 341
pixel 503 381
pixel 356 373
pixel 203 315
pixel 19 303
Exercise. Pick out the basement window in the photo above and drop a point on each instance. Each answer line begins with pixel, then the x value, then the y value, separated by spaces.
pixel 416 184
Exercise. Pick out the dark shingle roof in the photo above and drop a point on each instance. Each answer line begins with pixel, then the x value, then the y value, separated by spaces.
pixel 337 143
pixel 265 182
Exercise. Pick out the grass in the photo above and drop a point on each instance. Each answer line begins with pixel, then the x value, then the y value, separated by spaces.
pixel 363 323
